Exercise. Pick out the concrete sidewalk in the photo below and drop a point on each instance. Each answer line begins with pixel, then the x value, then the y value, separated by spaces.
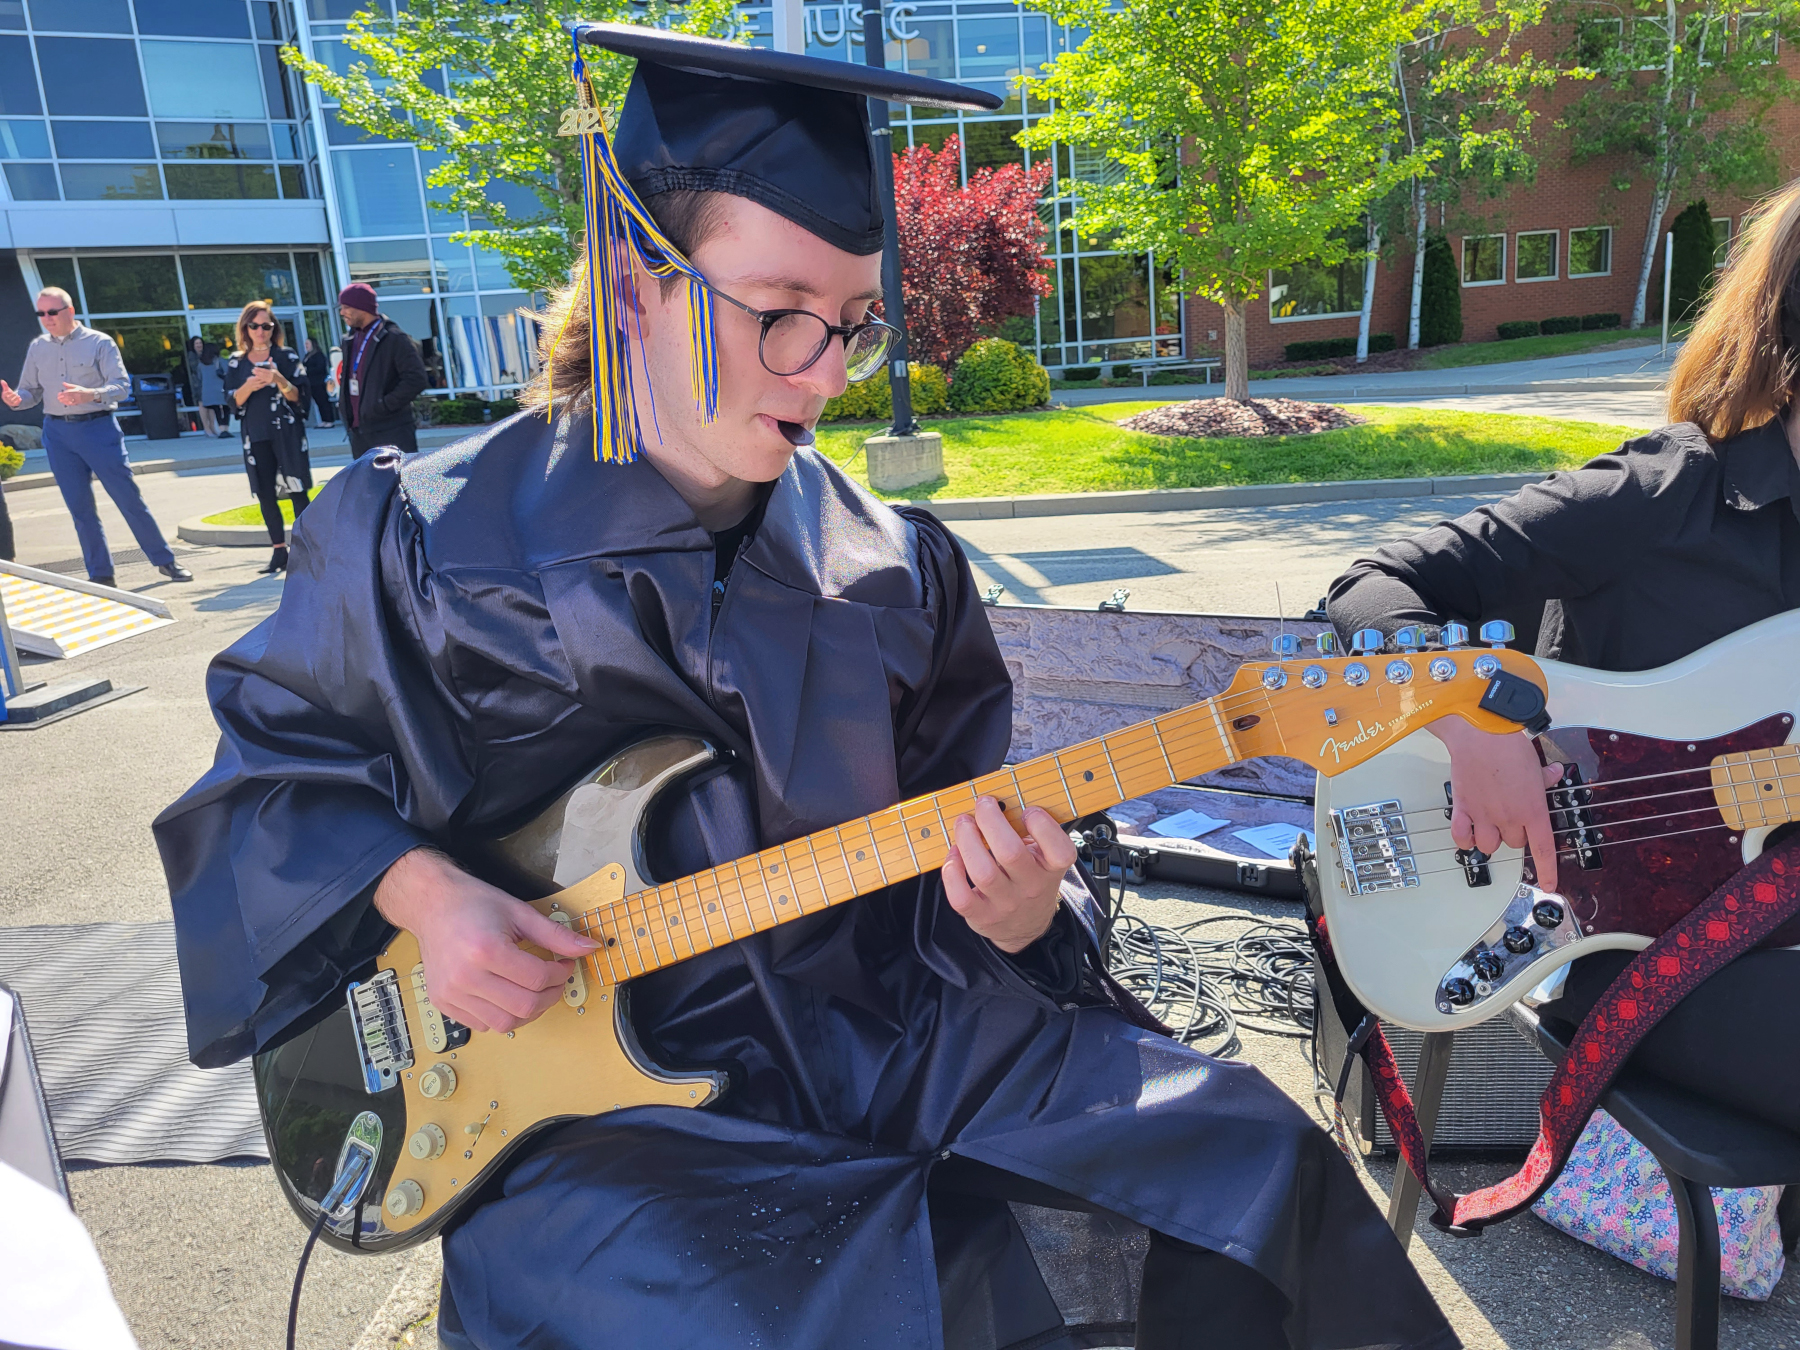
pixel 1628 368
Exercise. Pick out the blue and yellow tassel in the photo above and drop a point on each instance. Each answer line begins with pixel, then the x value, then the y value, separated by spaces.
pixel 621 233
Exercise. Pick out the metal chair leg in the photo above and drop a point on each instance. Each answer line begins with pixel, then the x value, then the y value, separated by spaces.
pixel 1697 1275
pixel 1428 1096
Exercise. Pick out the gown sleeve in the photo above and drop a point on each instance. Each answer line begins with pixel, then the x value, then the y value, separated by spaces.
pixel 1552 541
pixel 333 760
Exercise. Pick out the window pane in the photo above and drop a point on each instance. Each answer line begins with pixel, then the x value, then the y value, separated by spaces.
pixel 933 52
pixel 419 319
pixel 111 182
pixel 293 181
pixel 1314 290
pixel 990 145
pixel 124 285
pixel 312 284
pixel 1484 257
pixel 1168 300
pixel 1721 240
pixel 219 182
pixel 213 140
pixel 12 14
pixel 454 270
pixel 339 9
pixel 1537 256
pixel 519 202
pixel 18 77
pixel 58 272
pixel 24 140
pixel 32 182
pixel 443 220
pixel 287 141
pixel 1590 252
pixel 102 140
pixel 93 77
pixel 515 337
pixel 81 16
pixel 1115 299
pixel 233 280
pixel 990 48
pixel 378 192
pixel 278 80
pixel 266 15
pixel 340 132
pixel 193 18
pixel 395 266
pixel 149 346
pixel 490 270
pixel 203 79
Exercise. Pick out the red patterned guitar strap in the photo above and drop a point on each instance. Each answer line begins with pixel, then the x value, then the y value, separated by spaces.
pixel 1729 922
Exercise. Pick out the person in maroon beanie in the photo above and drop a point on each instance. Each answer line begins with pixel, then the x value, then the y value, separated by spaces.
pixel 382 373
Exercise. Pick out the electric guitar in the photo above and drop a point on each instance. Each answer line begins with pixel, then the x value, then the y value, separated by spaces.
pixel 1673 780
pixel 386 1116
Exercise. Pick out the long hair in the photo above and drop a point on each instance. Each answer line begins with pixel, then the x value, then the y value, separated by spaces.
pixel 1737 369
pixel 249 312
pixel 688 219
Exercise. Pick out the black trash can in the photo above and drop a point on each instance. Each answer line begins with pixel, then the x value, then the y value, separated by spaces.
pixel 157 406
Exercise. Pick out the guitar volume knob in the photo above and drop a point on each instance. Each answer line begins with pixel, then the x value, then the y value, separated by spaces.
pixel 1488 966
pixel 427 1142
pixel 1518 940
pixel 438 1082
pixel 1459 991
pixel 404 1198
pixel 1546 914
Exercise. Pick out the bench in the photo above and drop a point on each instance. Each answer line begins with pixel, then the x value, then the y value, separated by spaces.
pixel 1208 364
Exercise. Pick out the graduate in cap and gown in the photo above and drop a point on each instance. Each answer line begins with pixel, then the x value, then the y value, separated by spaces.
pixel 944 1126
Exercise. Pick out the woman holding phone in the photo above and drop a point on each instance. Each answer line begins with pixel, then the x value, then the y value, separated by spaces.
pixel 262 378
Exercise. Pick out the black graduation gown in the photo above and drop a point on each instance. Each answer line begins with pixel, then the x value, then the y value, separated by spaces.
pixel 458 640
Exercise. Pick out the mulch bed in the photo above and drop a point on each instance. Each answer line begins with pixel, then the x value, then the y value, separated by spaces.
pixel 1256 417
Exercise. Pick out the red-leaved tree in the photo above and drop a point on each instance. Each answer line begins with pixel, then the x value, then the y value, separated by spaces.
pixel 970 256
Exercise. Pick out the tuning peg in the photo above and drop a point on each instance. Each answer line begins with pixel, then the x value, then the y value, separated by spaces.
pixel 1286 646
pixel 1367 641
pixel 1326 643
pixel 1410 638
pixel 1454 636
pixel 1496 632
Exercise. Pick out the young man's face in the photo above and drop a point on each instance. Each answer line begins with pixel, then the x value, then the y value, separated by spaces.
pixel 767 262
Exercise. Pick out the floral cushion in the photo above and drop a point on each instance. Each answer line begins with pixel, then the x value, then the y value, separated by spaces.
pixel 1613 1195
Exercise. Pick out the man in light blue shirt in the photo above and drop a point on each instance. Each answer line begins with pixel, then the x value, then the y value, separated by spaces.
pixel 81 436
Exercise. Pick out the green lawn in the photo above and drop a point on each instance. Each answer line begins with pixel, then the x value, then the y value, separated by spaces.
pixel 250 515
pixel 1081 450
pixel 1532 348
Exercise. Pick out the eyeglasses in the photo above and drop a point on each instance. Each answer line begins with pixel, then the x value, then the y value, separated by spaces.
pixel 51 313
pixel 268 326
pixel 793 339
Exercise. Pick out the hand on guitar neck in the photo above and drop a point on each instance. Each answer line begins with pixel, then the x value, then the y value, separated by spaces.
pixel 1497 787
pixel 469 934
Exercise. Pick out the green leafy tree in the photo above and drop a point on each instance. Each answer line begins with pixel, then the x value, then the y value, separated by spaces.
pixel 1247 135
pixel 484 85
pixel 1679 100
pixel 1694 255
pixel 1439 316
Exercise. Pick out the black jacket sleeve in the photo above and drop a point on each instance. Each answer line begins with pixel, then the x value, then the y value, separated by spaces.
pixel 408 379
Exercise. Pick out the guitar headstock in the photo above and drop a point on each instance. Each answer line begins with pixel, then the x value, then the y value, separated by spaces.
pixel 1333 712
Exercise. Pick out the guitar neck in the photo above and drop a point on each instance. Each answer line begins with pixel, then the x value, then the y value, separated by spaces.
pixel 664 924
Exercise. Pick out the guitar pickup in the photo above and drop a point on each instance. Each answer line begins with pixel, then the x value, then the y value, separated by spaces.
pixel 1473 861
pixel 1569 801
pixel 440 1033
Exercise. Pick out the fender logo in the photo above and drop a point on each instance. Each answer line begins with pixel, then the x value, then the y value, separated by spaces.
pixel 1366 732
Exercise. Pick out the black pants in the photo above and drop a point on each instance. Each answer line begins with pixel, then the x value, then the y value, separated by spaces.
pixel 1189 1298
pixel 401 435
pixel 322 401
pixel 6 530
pixel 1731 1041
pixel 262 478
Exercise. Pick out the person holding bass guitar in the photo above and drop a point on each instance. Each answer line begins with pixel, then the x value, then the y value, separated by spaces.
pixel 655 547
pixel 1640 557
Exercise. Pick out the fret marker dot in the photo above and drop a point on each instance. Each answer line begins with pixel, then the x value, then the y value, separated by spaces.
pixel 781 900
pixel 774 868
pixel 640 932
pixel 612 942
pixel 1087 776
pixel 712 909
pixel 925 833
pixel 675 921
pixel 859 855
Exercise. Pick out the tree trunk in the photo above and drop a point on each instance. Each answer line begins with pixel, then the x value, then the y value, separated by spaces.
pixel 1368 296
pixel 1418 280
pixel 1237 354
pixel 1665 176
pixel 1659 206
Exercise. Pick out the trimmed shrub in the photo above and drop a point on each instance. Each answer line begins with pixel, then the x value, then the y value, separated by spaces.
pixel 1591 323
pixel 459 412
pixel 1081 373
pixel 1518 328
pixel 1323 349
pixel 11 460
pixel 873 399
pixel 1123 372
pixel 1567 324
pixel 998 376
pixel 1440 295
pixel 504 408
pixel 1691 275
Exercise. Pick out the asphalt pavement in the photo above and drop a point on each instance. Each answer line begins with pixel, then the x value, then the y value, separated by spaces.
pixel 204 1255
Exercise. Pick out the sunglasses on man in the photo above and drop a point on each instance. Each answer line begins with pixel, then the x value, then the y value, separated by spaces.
pixel 51 313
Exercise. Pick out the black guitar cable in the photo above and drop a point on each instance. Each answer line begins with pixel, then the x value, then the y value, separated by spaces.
pixel 300 1275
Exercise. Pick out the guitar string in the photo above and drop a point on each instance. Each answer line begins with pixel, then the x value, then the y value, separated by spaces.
pixel 1668 834
pixel 1576 849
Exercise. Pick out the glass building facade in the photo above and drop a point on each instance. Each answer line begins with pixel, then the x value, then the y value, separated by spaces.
pixel 159 162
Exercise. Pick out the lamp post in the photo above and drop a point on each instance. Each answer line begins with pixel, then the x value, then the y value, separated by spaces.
pixel 892 301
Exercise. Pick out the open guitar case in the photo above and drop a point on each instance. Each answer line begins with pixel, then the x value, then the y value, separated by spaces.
pixel 1080 673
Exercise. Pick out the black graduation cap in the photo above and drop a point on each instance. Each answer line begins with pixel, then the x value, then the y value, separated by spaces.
pixel 788 132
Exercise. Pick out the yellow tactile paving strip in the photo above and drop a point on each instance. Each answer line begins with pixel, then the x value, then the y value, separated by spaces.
pixel 50 620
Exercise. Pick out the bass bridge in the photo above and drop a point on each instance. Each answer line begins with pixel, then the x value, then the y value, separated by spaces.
pixel 1374 850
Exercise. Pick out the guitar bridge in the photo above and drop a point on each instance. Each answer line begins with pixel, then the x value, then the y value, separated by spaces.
pixel 1374 851
pixel 383 1044
pixel 1569 801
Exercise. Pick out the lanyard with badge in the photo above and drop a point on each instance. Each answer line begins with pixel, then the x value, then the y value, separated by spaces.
pixel 363 343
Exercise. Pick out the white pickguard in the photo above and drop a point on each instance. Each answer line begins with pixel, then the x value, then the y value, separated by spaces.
pixel 1395 947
